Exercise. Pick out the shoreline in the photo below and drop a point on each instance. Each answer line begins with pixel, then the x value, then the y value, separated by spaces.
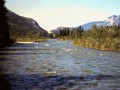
pixel 24 42
pixel 30 41
pixel 102 49
pixel 84 46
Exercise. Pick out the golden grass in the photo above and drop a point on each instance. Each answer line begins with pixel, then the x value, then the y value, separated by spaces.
pixel 102 44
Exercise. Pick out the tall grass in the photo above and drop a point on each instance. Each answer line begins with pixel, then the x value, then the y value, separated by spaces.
pixel 103 44
pixel 104 38
pixel 29 37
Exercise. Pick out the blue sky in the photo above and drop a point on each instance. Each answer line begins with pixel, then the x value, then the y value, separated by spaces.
pixel 51 14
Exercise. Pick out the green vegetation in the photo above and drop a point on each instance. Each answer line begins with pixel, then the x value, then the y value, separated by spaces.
pixel 26 34
pixel 104 38
pixel 67 33
pixel 27 37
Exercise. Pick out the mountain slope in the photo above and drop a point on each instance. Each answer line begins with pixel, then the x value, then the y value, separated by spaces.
pixel 23 24
pixel 88 26
pixel 110 21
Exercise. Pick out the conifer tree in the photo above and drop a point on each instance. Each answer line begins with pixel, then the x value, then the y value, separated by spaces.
pixel 4 27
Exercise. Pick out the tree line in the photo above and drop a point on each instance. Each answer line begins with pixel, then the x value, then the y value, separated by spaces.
pixel 70 32
pixel 104 37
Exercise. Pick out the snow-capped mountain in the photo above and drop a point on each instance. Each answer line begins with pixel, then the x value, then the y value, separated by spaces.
pixel 88 26
pixel 113 20
pixel 110 21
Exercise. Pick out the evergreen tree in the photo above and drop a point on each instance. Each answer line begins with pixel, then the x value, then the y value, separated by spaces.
pixel 67 31
pixel 94 27
pixel 60 33
pixel 4 27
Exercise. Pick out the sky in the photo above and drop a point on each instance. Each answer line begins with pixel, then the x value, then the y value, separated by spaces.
pixel 51 14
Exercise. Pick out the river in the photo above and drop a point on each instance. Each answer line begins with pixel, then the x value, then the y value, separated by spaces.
pixel 58 65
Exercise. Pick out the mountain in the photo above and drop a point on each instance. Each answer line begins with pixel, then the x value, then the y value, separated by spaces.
pixel 110 21
pixel 88 26
pixel 113 20
pixel 23 24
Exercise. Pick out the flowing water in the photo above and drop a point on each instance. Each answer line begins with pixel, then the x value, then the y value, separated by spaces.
pixel 58 65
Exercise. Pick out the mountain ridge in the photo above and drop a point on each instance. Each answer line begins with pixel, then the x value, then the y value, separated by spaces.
pixel 23 24
pixel 110 21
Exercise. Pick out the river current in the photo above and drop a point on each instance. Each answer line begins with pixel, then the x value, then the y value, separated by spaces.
pixel 58 65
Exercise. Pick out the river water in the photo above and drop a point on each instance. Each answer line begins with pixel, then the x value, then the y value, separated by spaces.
pixel 58 65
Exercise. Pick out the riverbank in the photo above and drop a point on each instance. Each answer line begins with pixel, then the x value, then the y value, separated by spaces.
pixel 29 37
pixel 103 38
pixel 111 44
pixel 30 40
